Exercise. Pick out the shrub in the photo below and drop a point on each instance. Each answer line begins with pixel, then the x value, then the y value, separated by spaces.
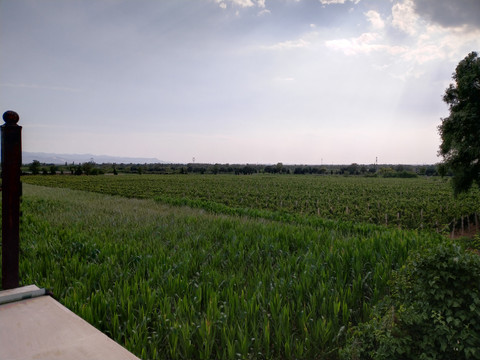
pixel 433 313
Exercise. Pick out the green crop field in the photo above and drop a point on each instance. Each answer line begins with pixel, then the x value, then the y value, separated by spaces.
pixel 261 267
pixel 419 203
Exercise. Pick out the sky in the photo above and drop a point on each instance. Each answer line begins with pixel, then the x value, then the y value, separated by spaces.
pixel 234 81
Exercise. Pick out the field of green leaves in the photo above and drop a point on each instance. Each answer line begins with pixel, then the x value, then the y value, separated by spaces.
pixel 251 268
pixel 420 203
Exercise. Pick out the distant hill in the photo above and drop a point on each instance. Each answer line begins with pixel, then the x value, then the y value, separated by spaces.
pixel 60 159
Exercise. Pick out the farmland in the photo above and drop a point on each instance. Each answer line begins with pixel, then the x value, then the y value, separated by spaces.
pixel 206 267
pixel 404 203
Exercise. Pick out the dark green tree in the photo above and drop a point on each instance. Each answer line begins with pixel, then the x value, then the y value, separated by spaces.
pixel 88 167
pixel 460 131
pixel 53 169
pixel 34 167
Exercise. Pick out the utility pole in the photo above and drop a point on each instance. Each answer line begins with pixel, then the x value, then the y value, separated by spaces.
pixel 11 192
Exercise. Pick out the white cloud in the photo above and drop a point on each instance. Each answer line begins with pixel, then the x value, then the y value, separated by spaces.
pixel 244 4
pixel 432 41
pixel 289 44
pixel 406 57
pixel 264 12
pixel 241 3
pixel 328 2
pixel 375 19
pixel 404 17
pixel 437 42
pixel 364 44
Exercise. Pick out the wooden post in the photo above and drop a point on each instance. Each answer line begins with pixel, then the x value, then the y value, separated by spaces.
pixel 11 192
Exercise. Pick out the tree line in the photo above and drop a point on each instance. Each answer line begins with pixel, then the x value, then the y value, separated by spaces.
pixel 91 168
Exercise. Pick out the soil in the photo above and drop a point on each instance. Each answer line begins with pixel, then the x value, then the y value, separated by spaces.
pixel 468 232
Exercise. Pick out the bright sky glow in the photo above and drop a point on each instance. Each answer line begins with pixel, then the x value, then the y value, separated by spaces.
pixel 234 81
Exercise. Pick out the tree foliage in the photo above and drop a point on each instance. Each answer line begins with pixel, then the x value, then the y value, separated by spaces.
pixel 34 167
pixel 460 131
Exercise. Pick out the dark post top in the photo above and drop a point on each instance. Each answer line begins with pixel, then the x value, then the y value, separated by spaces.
pixel 11 118
pixel 11 192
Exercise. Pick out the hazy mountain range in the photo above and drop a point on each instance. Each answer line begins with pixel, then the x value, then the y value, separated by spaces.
pixel 48 158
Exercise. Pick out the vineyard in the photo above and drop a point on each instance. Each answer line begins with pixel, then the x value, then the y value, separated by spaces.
pixel 404 203
pixel 254 267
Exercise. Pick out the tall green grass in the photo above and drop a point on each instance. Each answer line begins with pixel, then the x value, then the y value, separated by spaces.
pixel 179 283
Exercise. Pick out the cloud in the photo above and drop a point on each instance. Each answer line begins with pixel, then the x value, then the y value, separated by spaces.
pixel 329 2
pixel 404 17
pixel 446 43
pixel 375 19
pixel 433 41
pixel 450 13
pixel 241 3
pixel 405 57
pixel 264 12
pixel 289 44
pixel 244 4
pixel 364 44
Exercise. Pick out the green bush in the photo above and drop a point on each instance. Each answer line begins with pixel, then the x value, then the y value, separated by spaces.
pixel 471 243
pixel 433 313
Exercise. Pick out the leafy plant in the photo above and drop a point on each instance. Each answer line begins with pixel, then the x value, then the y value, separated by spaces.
pixel 434 311
pixel 471 243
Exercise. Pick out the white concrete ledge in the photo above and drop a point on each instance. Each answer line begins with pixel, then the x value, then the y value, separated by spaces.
pixel 26 292
pixel 41 328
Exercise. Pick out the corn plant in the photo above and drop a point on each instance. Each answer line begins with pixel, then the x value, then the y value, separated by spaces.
pixel 181 283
